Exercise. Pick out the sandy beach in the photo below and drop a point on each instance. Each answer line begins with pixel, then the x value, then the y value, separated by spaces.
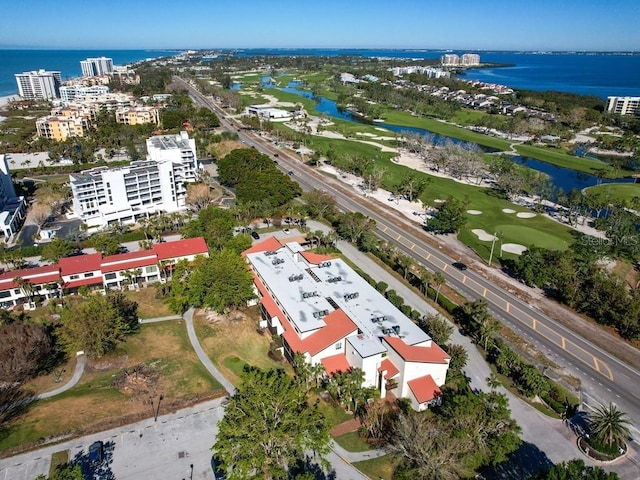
pixel 5 100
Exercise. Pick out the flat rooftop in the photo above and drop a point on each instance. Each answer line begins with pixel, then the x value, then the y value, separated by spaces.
pixel 307 292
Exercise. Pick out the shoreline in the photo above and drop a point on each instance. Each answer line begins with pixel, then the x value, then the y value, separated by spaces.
pixel 4 100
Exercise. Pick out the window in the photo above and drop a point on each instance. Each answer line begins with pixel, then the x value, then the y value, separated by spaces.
pixel 338 345
pixel 5 294
pixel 87 275
pixel 74 277
pixel 150 269
pixel 110 276
pixel 17 291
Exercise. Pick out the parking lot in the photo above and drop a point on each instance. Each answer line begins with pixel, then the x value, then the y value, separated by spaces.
pixel 176 447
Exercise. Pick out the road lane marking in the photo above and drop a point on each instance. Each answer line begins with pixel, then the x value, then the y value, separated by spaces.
pixel 484 293
pixel 508 306
pixel 413 245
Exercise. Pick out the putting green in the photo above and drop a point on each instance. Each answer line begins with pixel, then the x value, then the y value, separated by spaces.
pixel 530 236
pixel 617 191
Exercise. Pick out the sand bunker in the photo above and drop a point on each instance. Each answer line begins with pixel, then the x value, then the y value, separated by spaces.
pixel 483 236
pixel 474 212
pixel 508 210
pixel 525 214
pixel 514 248
pixel 438 200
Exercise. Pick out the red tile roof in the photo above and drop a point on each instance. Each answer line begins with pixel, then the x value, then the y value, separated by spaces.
pixel 127 261
pixel 336 363
pixel 315 258
pixel 180 248
pixel 391 369
pixel 81 282
pixel 36 275
pixel 337 326
pixel 270 243
pixel 413 353
pixel 80 264
pixel 424 388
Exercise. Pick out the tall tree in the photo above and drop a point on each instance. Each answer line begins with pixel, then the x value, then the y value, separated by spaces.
pixel 57 249
pixel 23 350
pixel 98 323
pixel 268 426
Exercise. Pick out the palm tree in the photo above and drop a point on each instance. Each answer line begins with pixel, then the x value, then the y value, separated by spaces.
pixel 609 425
pixel 26 286
pixel 493 381
pixel 438 280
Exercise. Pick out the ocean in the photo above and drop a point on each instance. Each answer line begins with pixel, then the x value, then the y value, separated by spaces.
pixel 67 62
pixel 600 74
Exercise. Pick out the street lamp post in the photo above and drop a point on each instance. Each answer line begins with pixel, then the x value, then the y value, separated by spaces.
pixel 155 409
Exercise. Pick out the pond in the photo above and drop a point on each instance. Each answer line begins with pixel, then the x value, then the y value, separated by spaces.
pixel 561 177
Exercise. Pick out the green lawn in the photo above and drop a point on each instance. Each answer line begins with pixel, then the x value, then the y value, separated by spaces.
pixel 149 306
pixel 94 403
pixel 619 192
pixel 557 157
pixel 525 231
pixel 352 442
pixel 335 415
pixel 379 468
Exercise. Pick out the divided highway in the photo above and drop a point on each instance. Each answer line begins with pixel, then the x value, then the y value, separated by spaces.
pixel 604 378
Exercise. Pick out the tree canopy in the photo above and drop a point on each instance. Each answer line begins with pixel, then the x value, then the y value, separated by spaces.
pixel 220 282
pixel 450 217
pixel 575 470
pixel 98 323
pixel 214 224
pixel 268 426
pixel 255 178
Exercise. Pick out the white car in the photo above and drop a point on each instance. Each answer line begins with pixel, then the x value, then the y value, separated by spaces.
pixel 286 231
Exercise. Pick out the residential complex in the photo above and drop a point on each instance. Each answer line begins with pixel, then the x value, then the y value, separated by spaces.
pixel 12 207
pixel 97 272
pixel 61 127
pixel 38 85
pixel 104 196
pixel 94 67
pixel 322 309
pixel 624 105
pixel 466 60
pixel 69 93
pixel 138 115
pixel 432 72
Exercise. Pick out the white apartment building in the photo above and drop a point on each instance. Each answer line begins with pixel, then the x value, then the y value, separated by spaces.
pixel 39 84
pixel 94 67
pixel 624 105
pixel 325 311
pixel 68 93
pixel 450 59
pixel 178 149
pixel 104 196
pixel 12 207
pixel 470 59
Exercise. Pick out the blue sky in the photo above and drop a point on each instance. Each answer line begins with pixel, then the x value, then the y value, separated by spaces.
pixel 440 24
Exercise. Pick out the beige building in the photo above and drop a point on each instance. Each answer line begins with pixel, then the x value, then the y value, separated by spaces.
pixel 624 105
pixel 60 128
pixel 137 115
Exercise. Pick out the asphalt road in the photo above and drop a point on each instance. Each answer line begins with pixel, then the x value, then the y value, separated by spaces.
pixel 604 378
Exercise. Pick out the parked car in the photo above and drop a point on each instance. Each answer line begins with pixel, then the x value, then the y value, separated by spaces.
pixel 276 155
pixel 255 235
pixel 286 231
pixel 96 452
pixel 291 173
pixel 460 266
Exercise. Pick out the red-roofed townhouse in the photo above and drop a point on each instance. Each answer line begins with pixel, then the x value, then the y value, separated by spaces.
pixel 129 269
pixel 170 253
pixel 414 362
pixel 81 271
pixel 39 281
